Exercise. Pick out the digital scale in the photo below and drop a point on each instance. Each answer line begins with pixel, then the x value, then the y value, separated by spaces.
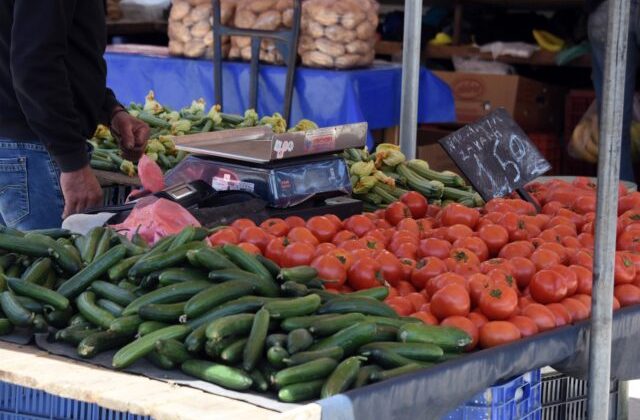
pixel 258 174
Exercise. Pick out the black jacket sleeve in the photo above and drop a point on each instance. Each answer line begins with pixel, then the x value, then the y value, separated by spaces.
pixel 110 103
pixel 41 82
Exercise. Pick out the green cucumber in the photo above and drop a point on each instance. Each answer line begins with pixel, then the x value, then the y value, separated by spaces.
pixel 79 320
pixel 264 287
pixel 51 281
pixel 160 361
pixel 39 293
pixel 182 238
pixel 276 356
pixel 173 350
pixel 30 304
pixel 74 334
pixel 101 341
pixel 83 279
pixel 378 293
pixel 387 358
pixel 296 322
pixel 381 375
pixel 168 294
pixel 180 275
pixel 349 339
pixel 54 233
pixel 448 338
pixel 40 324
pixel 302 391
pixel 237 306
pixel 363 305
pixel 293 289
pixel 103 243
pixel 299 340
pixel 301 274
pixel 147 327
pixel 364 375
pixel 210 259
pixel 15 311
pixel 196 339
pixel 294 307
pixel 214 348
pixel 256 342
pixel 259 381
pixel 145 344
pixel 163 312
pixel 307 356
pixel 87 306
pixel 57 318
pixel 232 354
pixel 271 266
pixel 276 340
pixel 386 332
pixel 38 271
pixel 393 322
pixel 229 325
pixel 23 246
pixel 74 253
pixel 316 369
pixel 417 351
pixel 342 377
pixel 216 295
pixel 90 244
pixel 120 270
pixel 246 261
pixel 217 374
pixel 112 292
pixel 163 260
pixel 110 306
pixel 332 325
pixel 126 324
pixel 63 257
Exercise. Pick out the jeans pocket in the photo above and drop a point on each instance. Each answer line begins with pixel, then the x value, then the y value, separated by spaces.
pixel 14 195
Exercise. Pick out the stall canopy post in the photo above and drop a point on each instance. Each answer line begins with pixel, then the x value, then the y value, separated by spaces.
pixel 607 208
pixel 410 77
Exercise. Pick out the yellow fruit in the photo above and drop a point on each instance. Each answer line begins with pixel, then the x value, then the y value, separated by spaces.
pixel 548 41
pixel 441 39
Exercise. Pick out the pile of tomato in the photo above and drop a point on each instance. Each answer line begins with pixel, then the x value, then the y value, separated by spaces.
pixel 500 273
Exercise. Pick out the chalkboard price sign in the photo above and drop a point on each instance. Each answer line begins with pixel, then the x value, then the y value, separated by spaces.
pixel 495 155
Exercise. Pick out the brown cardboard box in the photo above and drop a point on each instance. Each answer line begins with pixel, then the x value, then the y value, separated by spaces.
pixel 533 105
pixel 430 150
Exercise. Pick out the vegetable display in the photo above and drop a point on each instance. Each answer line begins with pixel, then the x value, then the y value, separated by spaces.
pixel 219 314
pixel 165 122
pixel 383 177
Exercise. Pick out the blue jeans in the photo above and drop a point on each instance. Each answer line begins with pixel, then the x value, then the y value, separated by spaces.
pixel 30 193
pixel 598 39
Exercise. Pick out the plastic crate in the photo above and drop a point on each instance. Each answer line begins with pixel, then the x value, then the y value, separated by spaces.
pixel 565 398
pixel 115 195
pixel 21 403
pixel 518 398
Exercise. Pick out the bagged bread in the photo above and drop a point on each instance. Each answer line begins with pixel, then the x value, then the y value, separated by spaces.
pixel 267 15
pixel 190 27
pixel 338 33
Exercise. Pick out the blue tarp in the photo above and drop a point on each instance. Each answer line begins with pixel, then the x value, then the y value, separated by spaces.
pixel 325 96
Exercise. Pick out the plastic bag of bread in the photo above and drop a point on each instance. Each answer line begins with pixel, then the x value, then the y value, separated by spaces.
pixel 190 23
pixel 338 33
pixel 267 15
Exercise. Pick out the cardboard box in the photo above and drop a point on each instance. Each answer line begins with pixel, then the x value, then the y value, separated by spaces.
pixel 430 150
pixel 533 105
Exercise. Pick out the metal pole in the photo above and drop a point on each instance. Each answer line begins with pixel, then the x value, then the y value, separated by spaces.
pixel 607 208
pixel 410 77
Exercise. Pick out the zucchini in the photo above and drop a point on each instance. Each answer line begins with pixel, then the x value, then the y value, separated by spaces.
pixel 264 287
pixel 301 274
pixel 302 391
pixel 364 375
pixel 39 293
pixel 216 295
pixel 210 259
pixel 232 354
pixel 163 312
pixel 276 340
pixel 449 179
pixel 110 306
pixel 363 305
pixel 256 342
pixel 143 345
pixel 75 334
pixel 342 377
pixel 38 271
pixel 298 340
pixel 381 375
pixel 173 350
pixel 120 270
pixel 101 341
pixel 296 322
pixel 86 304
pixel 293 307
pixel 160 361
pixel 162 260
pixel 224 376
pixel 83 279
pixel 147 327
pixel 430 189
pixel 180 275
pixel 276 356
pixel 168 294
pixel 230 325
pixel 332 325
pixel 247 262
pixel 126 324
pixel 349 339
pixel 307 356
pixel 23 246
pixel 448 338
pixel 112 292
pixel 14 311
pixel 316 369
pixel 417 351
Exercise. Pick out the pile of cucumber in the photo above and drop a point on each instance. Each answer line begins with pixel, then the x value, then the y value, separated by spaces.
pixel 218 314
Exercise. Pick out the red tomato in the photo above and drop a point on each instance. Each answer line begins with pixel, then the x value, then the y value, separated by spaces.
pixel 548 286
pixel 627 294
pixel 322 228
pixel 496 333
pixel 629 241
pixel 544 258
pixel 465 324
pixel 478 319
pixel 556 248
pixel 344 256
pixel 426 317
pixel 410 225
pixel 625 269
pixel 541 315
pixel 585 299
pixel 459 231
pixel 353 244
pixel 584 277
pixel 302 234
pixel 294 221
pixel 335 220
pixel 396 211
pixel 407 267
pixel 475 245
pixel 391 267
pixel 400 237
pixel 361 253
pixel 523 270
pixel 525 324
pixel 563 317
pixel 297 253
pixel 330 270
pixel 577 309
pixel 250 248
pixel 517 249
pixel 477 284
pixel 364 274
pixel 570 278
pixel 324 248
pixel 525 301
pixel 438 282
pixel 275 226
pixel 455 214
pixel 406 250
pixel 629 202
pixel 417 300
pixel 256 236
pixel 343 236
pixel 496 263
pixel 359 224
pixel 498 303
pixel 585 204
pixel 405 288
pixel 503 278
pixel 224 236
pixel 494 236
pixel 401 305
pixel 451 300
pixel 584 258
pixel 242 224
pixel 275 249
pixel 464 256
pixel 432 247
pixel 373 243
pixel 426 269
pixel 416 203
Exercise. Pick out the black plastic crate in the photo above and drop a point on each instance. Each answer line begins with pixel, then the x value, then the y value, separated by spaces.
pixel 565 398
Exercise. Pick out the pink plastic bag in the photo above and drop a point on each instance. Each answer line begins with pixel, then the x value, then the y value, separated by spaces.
pixel 150 175
pixel 154 218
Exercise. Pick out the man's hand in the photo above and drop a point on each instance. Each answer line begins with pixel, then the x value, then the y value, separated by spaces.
pixel 81 191
pixel 133 134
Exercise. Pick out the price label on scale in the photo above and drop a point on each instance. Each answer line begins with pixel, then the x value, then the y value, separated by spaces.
pixel 496 155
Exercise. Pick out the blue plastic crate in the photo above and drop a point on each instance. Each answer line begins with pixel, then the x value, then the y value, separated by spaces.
pixel 21 403
pixel 518 398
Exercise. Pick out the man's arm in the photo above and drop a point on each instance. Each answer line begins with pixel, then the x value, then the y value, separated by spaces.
pixel 132 133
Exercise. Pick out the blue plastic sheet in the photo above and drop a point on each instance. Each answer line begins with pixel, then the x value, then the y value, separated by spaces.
pixel 327 97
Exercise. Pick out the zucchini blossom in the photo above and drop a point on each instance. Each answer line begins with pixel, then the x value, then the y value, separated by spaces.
pixel 102 133
pixel 152 156
pixel 169 145
pixel 362 169
pixel 250 118
pixel 127 168
pixel 276 122
pixel 180 127
pixel 304 125
pixel 155 146
pixel 196 106
pixel 214 115
pixel 419 163
pixel 384 178
pixel 365 184
pixel 151 105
